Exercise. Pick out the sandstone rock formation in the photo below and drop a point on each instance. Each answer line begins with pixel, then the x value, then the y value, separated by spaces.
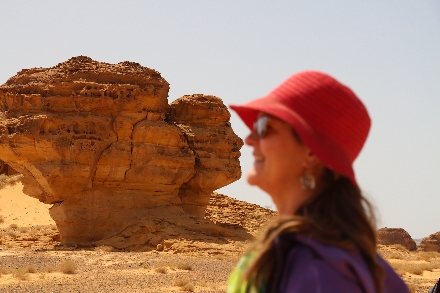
pixel 100 142
pixel 390 236
pixel 206 125
pixel 431 243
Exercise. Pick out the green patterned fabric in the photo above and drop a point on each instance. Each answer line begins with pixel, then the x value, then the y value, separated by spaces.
pixel 237 283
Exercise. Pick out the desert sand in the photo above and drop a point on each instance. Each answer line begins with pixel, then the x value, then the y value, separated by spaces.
pixel 22 210
pixel 31 257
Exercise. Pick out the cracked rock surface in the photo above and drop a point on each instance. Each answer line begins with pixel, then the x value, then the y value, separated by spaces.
pixel 100 142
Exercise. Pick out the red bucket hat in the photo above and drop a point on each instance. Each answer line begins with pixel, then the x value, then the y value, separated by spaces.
pixel 329 118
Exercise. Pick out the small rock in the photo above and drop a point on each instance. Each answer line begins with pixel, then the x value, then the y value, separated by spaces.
pixel 159 247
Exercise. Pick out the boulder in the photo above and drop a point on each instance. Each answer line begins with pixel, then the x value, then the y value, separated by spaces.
pixel 393 236
pixel 100 142
pixel 430 243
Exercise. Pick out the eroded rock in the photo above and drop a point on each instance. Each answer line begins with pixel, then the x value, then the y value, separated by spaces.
pixel 205 122
pixel 431 243
pixel 100 142
pixel 390 236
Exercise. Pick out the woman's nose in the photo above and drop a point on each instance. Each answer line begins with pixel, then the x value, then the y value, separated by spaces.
pixel 251 139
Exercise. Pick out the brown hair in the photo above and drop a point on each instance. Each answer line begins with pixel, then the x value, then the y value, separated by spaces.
pixel 338 216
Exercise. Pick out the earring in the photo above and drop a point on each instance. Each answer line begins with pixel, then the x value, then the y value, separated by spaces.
pixel 307 181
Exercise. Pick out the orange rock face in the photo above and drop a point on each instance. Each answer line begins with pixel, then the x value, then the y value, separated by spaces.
pixel 206 125
pixel 431 243
pixel 6 169
pixel 100 142
pixel 390 236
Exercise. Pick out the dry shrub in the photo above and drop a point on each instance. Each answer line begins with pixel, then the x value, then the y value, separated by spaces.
pixel 12 234
pixel 397 255
pixel 169 265
pixel 3 178
pixel 14 179
pixel 184 284
pixel 188 287
pixel 22 230
pixel 180 282
pixel 13 226
pixel 30 269
pixel 412 268
pixel 21 274
pixel 399 247
pixel 427 255
pixel 184 266
pixel 67 267
pixel 6 180
pixel 161 270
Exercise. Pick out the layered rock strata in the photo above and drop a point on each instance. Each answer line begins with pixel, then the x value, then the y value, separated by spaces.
pixel 393 236
pixel 431 243
pixel 100 142
pixel 205 126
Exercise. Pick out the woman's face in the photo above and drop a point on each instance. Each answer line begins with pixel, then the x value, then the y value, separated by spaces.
pixel 279 158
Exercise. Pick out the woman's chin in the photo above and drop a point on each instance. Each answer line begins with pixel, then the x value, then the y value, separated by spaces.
pixel 253 178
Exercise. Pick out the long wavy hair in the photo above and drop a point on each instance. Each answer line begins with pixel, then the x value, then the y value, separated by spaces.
pixel 338 216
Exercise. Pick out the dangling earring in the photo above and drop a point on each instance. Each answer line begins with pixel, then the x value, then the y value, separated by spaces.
pixel 307 181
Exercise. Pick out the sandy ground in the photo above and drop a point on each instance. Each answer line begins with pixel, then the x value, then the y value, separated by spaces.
pixel 104 271
pixel 22 210
pixel 31 258
pixel 420 270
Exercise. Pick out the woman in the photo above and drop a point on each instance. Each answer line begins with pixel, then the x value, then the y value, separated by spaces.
pixel 306 134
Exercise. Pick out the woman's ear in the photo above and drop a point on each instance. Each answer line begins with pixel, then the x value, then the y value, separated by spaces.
pixel 311 160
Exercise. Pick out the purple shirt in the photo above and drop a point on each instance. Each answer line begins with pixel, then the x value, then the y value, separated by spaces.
pixel 313 267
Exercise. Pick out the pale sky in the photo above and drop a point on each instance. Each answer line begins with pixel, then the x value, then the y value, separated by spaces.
pixel 388 52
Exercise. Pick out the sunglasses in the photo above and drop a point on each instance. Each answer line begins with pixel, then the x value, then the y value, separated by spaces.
pixel 260 126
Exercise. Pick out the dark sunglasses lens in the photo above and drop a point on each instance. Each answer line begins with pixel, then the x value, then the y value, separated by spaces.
pixel 260 125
